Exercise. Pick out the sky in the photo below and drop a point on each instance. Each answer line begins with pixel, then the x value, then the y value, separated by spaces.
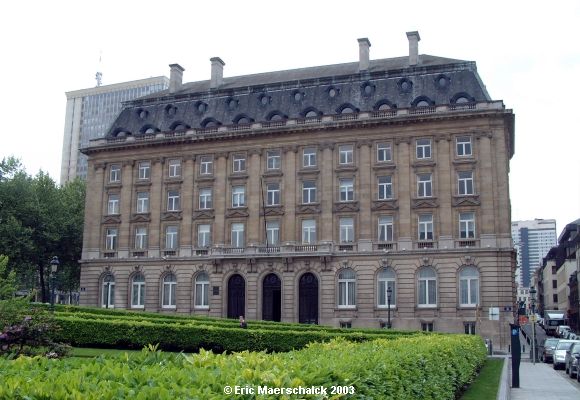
pixel 527 54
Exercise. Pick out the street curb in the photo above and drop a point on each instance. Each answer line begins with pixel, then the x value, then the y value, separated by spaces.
pixel 504 381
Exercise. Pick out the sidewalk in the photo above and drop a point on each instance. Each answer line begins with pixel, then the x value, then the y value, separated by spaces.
pixel 540 381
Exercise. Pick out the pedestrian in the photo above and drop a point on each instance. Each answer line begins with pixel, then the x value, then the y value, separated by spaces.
pixel 243 323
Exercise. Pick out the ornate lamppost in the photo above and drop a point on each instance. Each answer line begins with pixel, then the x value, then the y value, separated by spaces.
pixel 389 293
pixel 533 318
pixel 54 263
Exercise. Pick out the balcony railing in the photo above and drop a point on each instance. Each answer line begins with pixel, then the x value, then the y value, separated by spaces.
pixel 385 246
pixel 109 254
pixel 426 245
pixel 169 253
pixel 306 248
pixel 464 243
pixel 347 247
pixel 139 253
pixel 269 249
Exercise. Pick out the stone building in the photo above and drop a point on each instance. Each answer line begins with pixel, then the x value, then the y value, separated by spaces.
pixel 348 195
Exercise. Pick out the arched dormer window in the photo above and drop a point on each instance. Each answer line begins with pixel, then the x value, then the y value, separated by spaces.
pixel 422 101
pixel 210 123
pixel 383 105
pixel 310 112
pixel 179 126
pixel 462 98
pixel 276 116
pixel 242 119
pixel 148 129
pixel 347 108
pixel 200 107
pixel 120 133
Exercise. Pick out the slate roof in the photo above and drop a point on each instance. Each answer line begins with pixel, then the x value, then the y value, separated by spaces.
pixel 294 93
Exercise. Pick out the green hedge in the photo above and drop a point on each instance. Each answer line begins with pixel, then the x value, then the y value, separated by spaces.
pixel 427 367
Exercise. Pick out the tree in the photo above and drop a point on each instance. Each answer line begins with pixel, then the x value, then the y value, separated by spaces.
pixel 7 279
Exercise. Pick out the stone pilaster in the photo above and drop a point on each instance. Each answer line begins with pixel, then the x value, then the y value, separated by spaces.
pixel 187 202
pixel 222 195
pixel 406 192
pixel 326 227
pixel 126 209
pixel 364 191
pixel 156 204
pixel 443 189
pixel 289 196
pixel 254 196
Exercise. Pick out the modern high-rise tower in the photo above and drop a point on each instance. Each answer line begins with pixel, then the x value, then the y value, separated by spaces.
pixel 90 112
pixel 532 240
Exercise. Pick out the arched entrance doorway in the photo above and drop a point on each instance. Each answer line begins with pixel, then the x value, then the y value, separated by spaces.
pixel 236 296
pixel 272 298
pixel 308 299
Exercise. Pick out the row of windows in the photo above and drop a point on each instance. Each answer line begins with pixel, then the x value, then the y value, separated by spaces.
pixel 273 195
pixel 385 232
pixel 346 289
pixel 309 159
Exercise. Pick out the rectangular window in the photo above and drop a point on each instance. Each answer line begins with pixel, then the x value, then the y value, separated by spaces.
pixel 345 154
pixel 174 168
pixel 141 238
pixel 424 185
pixel 386 228
pixel 144 170
pixel 171 237
pixel 308 192
pixel 204 235
pixel 273 194
pixel 273 232
pixel 202 291
pixel 142 202
pixel 205 201
pixel 346 187
pixel 173 203
pixel 346 230
pixel 423 148
pixel 237 235
pixel 384 153
pixel 113 204
pixel 463 145
pixel 469 328
pixel 309 231
pixel 385 188
pixel 273 159
pixel 554 284
pixel 555 298
pixel 238 196
pixel 309 157
pixel 345 325
pixel 466 225
pixel 427 326
pixel 115 173
pixel 426 227
pixel 206 165
pixel 465 183
pixel 111 235
pixel 239 163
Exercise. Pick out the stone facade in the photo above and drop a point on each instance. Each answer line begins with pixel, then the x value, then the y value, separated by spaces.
pixel 309 217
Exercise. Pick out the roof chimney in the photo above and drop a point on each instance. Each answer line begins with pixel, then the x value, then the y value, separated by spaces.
pixel 175 77
pixel 217 72
pixel 413 47
pixel 363 54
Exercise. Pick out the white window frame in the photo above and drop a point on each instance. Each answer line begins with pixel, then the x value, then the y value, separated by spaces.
pixel 468 286
pixel 309 157
pixel 202 291
pixel 111 238
pixel 346 154
pixel 346 189
pixel 171 237
pixel 144 170
pixel 425 227
pixel 308 231
pixel 463 146
pixel 465 185
pixel 346 230
pixel 238 196
pixel 424 185
pixel 142 202
pixel 273 232
pixel 115 173
pixel 385 187
pixel 141 238
pixel 467 225
pixel 168 295
pixel 206 165
pixel 385 233
pixel 138 291
pixel 273 159
pixel 386 278
pixel 237 236
pixel 173 200
pixel 204 235
pixel 108 290
pixel 427 287
pixel 423 149
pixel 309 192
pixel 113 204
pixel 273 194
pixel 384 152
pixel 174 168
pixel 205 199
pixel 346 288
pixel 239 163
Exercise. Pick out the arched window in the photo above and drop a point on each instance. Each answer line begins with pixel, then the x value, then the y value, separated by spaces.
pixel 469 286
pixel 169 287
pixel 202 290
pixel 311 114
pixel 422 103
pixel 427 287
pixel 346 288
pixel 386 281
pixel 347 110
pixel 108 291
pixel 138 291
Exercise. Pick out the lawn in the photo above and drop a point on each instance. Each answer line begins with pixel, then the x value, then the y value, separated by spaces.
pixel 486 385
pixel 92 352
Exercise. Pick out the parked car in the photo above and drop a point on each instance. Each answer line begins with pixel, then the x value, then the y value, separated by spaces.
pixel 560 351
pixel 571 361
pixel 574 336
pixel 562 329
pixel 547 352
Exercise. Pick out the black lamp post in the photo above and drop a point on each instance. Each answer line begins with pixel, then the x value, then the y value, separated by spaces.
pixel 389 293
pixel 54 263
pixel 533 318
pixel 108 280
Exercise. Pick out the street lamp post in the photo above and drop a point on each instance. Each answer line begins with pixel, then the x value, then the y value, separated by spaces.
pixel 54 263
pixel 533 296
pixel 389 292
